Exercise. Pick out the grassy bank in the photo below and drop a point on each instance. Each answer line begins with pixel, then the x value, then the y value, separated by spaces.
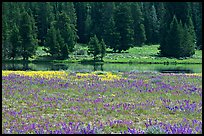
pixel 142 55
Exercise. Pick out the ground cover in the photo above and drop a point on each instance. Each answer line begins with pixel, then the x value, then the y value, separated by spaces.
pixel 101 102
pixel 145 55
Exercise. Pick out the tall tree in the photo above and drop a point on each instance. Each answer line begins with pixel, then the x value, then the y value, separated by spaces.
pixel 174 38
pixel 15 41
pixel 44 17
pixel 197 21
pixel 67 31
pixel 139 31
pixel 151 24
pixel 82 15
pixel 29 39
pixel 52 42
pixel 5 30
pixel 174 9
pixel 123 23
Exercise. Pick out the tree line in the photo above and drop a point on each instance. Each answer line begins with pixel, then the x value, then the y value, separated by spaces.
pixel 58 26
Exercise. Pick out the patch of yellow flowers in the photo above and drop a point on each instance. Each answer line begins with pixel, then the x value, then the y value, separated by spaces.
pixel 108 76
pixel 44 74
pixel 195 74
pixel 63 75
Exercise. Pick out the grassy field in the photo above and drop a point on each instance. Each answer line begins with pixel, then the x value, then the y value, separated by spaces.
pixel 101 102
pixel 145 55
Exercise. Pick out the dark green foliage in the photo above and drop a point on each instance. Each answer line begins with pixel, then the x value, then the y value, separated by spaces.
pixel 68 33
pixel 15 41
pixel 94 47
pixel 180 40
pixel 52 43
pixel 120 24
pixel 123 24
pixel 139 31
pixel 174 39
pixel 83 21
pixel 27 33
pixel 44 17
pixel 102 49
pixel 197 22
pixel 151 24
pixel 181 35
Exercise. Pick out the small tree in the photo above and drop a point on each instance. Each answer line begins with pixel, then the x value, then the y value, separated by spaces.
pixel 102 49
pixel 94 47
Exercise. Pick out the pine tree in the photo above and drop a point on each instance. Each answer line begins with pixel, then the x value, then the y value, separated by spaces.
pixel 112 37
pixel 123 23
pixel 139 31
pixel 15 41
pixel 44 17
pixel 187 41
pixel 102 49
pixel 69 9
pixel 94 47
pixel 82 15
pixel 196 8
pixel 151 24
pixel 174 38
pixel 5 32
pixel 52 42
pixel 189 38
pixel 67 31
pixel 29 41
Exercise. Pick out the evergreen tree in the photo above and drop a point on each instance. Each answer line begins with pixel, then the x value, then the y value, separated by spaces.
pixel 52 42
pixel 5 31
pixel 186 44
pixel 94 47
pixel 29 41
pixel 123 23
pixel 44 17
pixel 67 31
pixel 112 37
pixel 69 9
pixel 189 39
pixel 102 49
pixel 139 31
pixel 197 22
pixel 82 11
pixel 15 41
pixel 151 24
pixel 174 38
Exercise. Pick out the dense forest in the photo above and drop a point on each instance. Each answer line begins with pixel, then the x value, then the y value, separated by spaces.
pixel 58 26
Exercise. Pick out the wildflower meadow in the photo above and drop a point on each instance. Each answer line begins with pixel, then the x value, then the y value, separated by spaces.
pixel 60 102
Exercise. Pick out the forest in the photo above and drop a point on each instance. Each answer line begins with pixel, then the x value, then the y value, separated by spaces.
pixel 58 26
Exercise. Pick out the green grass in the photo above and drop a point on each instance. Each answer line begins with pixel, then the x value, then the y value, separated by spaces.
pixel 144 55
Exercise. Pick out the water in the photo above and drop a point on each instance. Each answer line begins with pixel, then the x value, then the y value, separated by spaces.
pixel 179 68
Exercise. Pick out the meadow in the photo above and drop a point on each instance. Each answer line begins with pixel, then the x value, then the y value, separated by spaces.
pixel 61 102
pixel 147 54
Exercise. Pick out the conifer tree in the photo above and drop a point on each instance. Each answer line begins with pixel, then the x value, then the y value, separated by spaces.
pixel 67 31
pixel 102 49
pixel 174 38
pixel 139 31
pixel 15 41
pixel 123 23
pixel 94 47
pixel 29 39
